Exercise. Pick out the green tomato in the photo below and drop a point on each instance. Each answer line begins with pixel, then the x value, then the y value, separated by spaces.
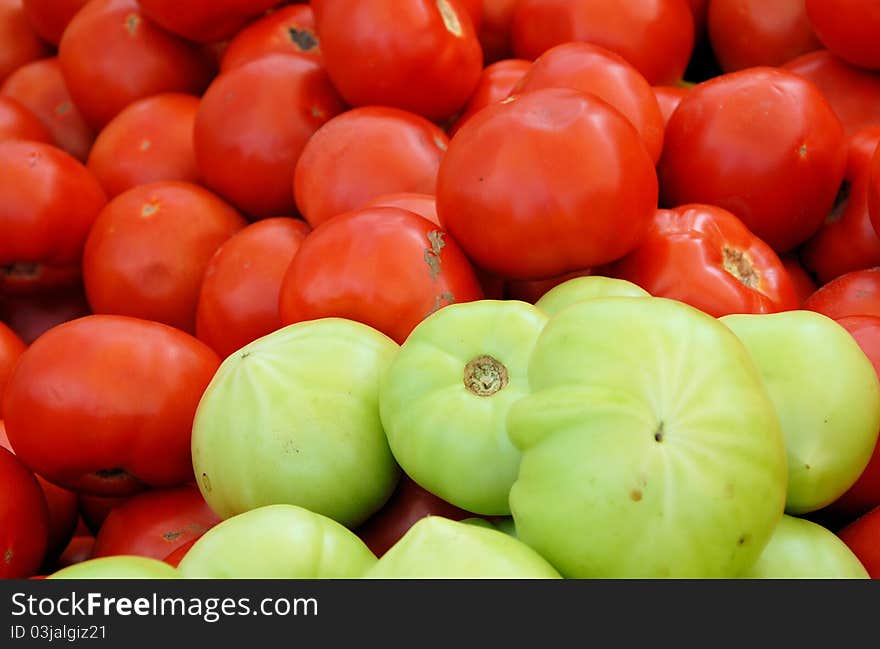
pixel 586 288
pixel 801 549
pixel 650 446
pixel 118 567
pixel 445 397
pixel 826 394
pixel 438 548
pixel 293 418
pixel 277 542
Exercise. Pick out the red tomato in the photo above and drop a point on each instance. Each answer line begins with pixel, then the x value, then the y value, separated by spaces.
pixel 78 550
pixel 238 302
pixel 474 10
pixel 383 266
pixel 496 83
pixel 655 36
pixel 495 29
pixel 849 28
pixel 48 202
pixel 205 21
pixel 762 143
pixel 594 69
pixel 362 154
pixel 847 240
pixel 19 43
pixel 425 205
pixel 854 94
pixel 421 56
pixel 533 290
pixel 546 183
pixel 40 87
pixel 699 9
pixel 19 123
pixel 24 520
pixel 11 348
pixel 704 256
pixel 94 510
pixel 154 523
pixel 288 30
pixel 855 293
pixel 30 315
pixel 874 190
pixel 149 141
pixel 408 504
pixel 668 99
pixel 174 558
pixel 749 33
pixel 804 283
pixel 252 125
pixel 111 55
pixel 50 18
pixel 147 252
pixel 105 404
pixel 863 538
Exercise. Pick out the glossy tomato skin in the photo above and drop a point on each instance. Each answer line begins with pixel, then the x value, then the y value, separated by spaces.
pixel 50 18
pixel 287 30
pixel 11 348
pixel 364 153
pixel 855 293
pixel 111 55
pixel 495 29
pixel 594 69
pixel 512 191
pixel 19 123
pixel 762 143
pixel 155 523
pixel 668 99
pixel 848 28
pixel 147 252
pixel 655 36
pixel 252 125
pixel 204 21
pixel 874 191
pixel 751 33
pixel 238 300
pixel 105 404
pixel 496 83
pixel 19 43
pixel 847 241
pixel 425 205
pixel 422 56
pixel 383 266
pixel 149 141
pixel 704 256
pixel 30 315
pixel 804 283
pixel 863 538
pixel 24 520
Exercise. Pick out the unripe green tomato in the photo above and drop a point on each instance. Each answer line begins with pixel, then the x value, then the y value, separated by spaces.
pixel 586 288
pixel 118 567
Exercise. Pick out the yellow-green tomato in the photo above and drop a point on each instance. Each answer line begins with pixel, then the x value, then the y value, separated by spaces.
pixel 801 549
pixel 586 288
pixel 445 397
pixel 118 567
pixel 650 446
pixel 277 542
pixel 438 548
pixel 293 418
pixel 826 394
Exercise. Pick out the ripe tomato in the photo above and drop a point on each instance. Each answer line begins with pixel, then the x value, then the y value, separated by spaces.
pixel 496 83
pixel 421 56
pixel 204 21
pixel 11 347
pixel 847 241
pixel 78 550
pixel 149 141
pixel 105 404
pixel 30 315
pixel 40 87
pixel 855 293
pixel 362 154
pixel 383 266
pixel 546 183
pixel 750 33
pixel 173 559
pixel 863 538
pixel 804 283
pixel 854 94
pixel 668 99
pixel 252 125
pixel 762 143
pixel 18 123
pixel 48 202
pixel 874 190
pixel 155 523
pixel 474 10
pixel 94 510
pixel 287 30
pixel 495 29
pixel 24 520
pixel 704 256
pixel 849 28
pixel 238 302
pixel 594 69
pixel 50 18
pixel 655 36
pixel 19 43
pixel 148 250
pixel 111 55
pixel 425 205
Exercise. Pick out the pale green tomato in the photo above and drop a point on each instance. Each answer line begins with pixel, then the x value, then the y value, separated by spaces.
pixel 118 567
pixel 504 524
pixel 438 548
pixel 293 418
pixel 801 549
pixel 277 542
pixel 586 288
pixel 445 397
pixel 826 394
pixel 650 446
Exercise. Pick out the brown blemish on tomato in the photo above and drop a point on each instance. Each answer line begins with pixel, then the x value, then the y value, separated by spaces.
pixel 444 299
pixel 742 540
pixel 635 495
pixel 485 376
pixel 432 254
pixel 317 112
pixel 660 433
pixel 304 39
pixel 737 263
pixel 206 482
pixel 7 557
pixel 450 18
pixel 144 145
pixel 63 108
pixel 149 209
pixel 132 22
pixel 802 150
pixel 172 536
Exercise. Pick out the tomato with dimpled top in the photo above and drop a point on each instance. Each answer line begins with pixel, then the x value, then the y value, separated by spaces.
pixel 19 43
pixel 19 123
pixel 855 293
pixel 24 519
pixel 204 21
pixel 848 28
pixel 496 83
pixel 287 30
pixel 50 18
